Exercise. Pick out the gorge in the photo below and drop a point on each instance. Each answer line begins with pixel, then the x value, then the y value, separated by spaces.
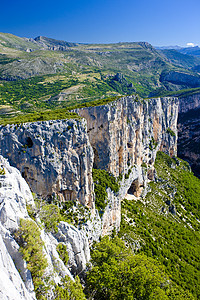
pixel 92 179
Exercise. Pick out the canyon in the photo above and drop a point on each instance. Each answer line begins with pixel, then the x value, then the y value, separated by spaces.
pixel 55 160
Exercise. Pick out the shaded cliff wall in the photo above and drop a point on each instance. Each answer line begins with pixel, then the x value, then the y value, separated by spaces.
pixel 55 158
pixel 189 131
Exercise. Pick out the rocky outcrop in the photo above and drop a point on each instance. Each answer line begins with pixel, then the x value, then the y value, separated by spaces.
pixel 129 131
pixel 55 158
pixel 14 195
pixel 15 280
pixel 180 78
pixel 189 102
pixel 77 246
pixel 52 44
pixel 189 131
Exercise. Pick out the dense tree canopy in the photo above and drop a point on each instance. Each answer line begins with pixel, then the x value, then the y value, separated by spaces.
pixel 118 273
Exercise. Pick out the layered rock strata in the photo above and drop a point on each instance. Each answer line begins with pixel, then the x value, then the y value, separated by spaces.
pixel 55 158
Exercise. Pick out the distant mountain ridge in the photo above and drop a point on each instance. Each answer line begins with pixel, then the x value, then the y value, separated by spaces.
pixel 146 70
pixel 53 44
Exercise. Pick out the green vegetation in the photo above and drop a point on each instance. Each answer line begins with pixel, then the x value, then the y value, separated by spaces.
pixel 153 144
pixel 50 216
pixel 118 273
pixel 81 74
pixel 2 171
pixel 128 174
pixel 62 251
pixel 31 90
pixel 171 132
pixel 181 93
pixel 164 225
pixel 180 59
pixel 69 290
pixel 40 116
pixel 103 180
pixel 31 247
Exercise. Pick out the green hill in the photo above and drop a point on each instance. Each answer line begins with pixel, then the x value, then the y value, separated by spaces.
pixel 94 67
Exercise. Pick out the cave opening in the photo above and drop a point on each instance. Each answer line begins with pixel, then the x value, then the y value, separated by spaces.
pixel 136 188
pixel 29 142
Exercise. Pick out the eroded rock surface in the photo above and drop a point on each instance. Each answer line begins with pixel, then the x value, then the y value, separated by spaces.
pixel 55 158
pixel 15 280
pixel 129 131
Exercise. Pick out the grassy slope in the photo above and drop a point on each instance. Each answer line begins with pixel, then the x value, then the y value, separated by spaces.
pixel 139 62
pixel 172 239
pixel 81 74
pixel 180 59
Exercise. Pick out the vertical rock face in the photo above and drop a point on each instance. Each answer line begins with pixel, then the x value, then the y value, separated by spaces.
pixel 189 103
pixel 125 136
pixel 77 246
pixel 55 158
pixel 128 132
pixel 189 131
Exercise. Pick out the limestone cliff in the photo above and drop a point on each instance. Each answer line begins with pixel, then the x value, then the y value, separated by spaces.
pixel 125 136
pixel 129 131
pixel 55 158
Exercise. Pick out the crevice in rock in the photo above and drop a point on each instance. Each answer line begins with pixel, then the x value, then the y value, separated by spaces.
pixel 96 158
pixel 29 142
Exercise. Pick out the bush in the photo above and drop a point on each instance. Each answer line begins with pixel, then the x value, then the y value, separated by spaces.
pixel 102 181
pixel 69 290
pixel 119 274
pixel 31 247
pixel 50 216
pixel 170 131
pixel 62 251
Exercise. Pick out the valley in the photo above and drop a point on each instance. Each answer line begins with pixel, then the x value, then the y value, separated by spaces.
pixel 99 167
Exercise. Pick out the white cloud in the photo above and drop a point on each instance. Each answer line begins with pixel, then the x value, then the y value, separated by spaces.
pixel 191 45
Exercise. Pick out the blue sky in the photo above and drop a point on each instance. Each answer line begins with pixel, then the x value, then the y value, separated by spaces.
pixel 159 22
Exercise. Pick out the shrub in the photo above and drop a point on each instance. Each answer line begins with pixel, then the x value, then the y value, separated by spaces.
pixel 31 247
pixel 50 215
pixel 170 131
pixel 62 251
pixel 118 273
pixel 102 181
pixel 2 171
pixel 69 290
